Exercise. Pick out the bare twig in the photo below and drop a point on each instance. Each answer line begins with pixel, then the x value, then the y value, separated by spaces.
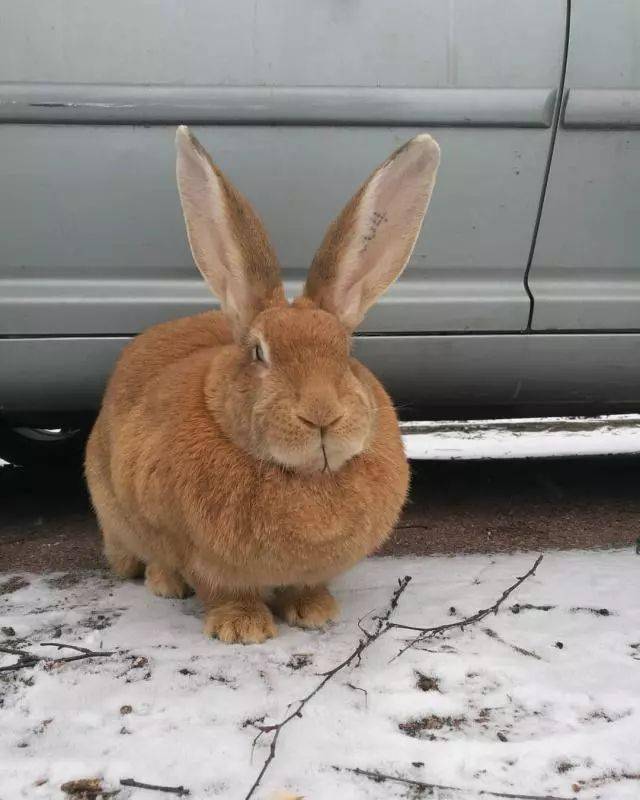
pixel 359 689
pixel 612 776
pixel 367 639
pixel 436 630
pixel 382 626
pixel 381 777
pixel 179 790
pixel 82 656
pixel 516 608
pixel 516 648
pixel 12 651
pixel 27 659
pixel 59 646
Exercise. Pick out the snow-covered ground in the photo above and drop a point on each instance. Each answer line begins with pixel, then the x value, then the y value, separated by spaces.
pixel 542 698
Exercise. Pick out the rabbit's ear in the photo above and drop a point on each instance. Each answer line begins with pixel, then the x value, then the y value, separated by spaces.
pixel 368 245
pixel 228 241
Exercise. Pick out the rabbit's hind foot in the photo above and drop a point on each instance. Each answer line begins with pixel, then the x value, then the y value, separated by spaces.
pixel 165 582
pixel 305 606
pixel 121 561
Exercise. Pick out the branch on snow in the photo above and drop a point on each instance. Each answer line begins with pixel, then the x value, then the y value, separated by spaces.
pixel 27 659
pixel 179 790
pixel 381 627
pixel 436 630
pixel 381 777
pixel 516 648
pixel 368 638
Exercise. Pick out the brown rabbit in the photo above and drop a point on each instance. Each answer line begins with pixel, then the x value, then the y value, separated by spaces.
pixel 245 450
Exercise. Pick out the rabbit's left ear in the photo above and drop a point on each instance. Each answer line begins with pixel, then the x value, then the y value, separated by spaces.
pixel 368 245
pixel 228 241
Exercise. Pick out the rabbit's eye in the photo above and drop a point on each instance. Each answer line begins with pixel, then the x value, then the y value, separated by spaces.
pixel 258 355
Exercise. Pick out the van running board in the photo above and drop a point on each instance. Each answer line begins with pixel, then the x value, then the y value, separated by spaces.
pixel 534 437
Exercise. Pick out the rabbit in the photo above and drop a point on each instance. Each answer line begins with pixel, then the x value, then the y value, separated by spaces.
pixel 244 453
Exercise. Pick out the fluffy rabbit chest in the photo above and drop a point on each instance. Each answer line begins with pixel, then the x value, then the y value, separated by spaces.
pixel 279 528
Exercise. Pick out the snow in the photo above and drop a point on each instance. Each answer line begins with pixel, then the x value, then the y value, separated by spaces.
pixel 532 437
pixel 569 716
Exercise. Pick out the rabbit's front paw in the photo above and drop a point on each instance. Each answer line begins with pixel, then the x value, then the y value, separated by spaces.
pixel 307 607
pixel 240 623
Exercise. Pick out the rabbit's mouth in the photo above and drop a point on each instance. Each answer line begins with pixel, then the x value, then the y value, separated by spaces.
pixel 326 455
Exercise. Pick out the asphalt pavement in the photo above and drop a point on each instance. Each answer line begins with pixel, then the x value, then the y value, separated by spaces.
pixel 46 522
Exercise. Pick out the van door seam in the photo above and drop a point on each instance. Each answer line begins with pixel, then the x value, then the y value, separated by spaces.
pixel 552 142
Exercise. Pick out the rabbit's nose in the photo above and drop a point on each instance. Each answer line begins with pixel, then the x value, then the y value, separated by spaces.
pixel 320 418
pixel 319 406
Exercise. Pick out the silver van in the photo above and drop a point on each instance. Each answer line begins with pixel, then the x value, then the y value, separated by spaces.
pixel 523 293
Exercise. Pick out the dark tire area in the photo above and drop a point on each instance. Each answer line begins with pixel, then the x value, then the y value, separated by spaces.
pixel 61 448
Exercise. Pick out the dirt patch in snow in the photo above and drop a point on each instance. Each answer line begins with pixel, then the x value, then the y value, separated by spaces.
pixel 65 581
pixel 12 585
pixel 299 661
pixel 417 728
pixel 427 683
pixel 597 612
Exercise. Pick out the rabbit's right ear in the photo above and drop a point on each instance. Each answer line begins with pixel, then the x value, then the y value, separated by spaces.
pixel 368 245
pixel 227 239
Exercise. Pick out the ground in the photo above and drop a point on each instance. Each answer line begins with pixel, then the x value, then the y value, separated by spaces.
pixel 457 506
pixel 542 698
